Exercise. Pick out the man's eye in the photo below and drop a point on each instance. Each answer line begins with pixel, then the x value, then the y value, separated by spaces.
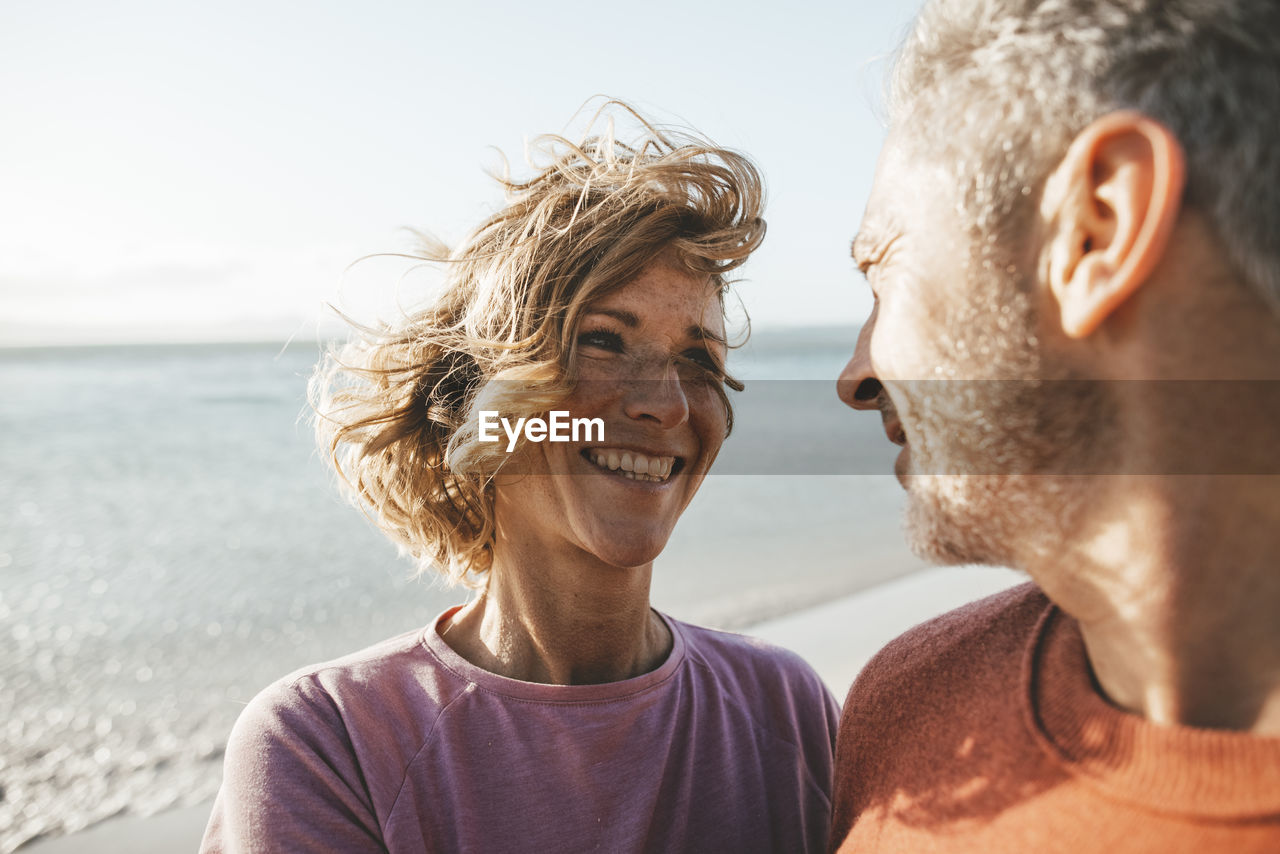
pixel 601 339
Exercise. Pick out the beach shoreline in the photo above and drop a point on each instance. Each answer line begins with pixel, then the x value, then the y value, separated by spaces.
pixel 837 638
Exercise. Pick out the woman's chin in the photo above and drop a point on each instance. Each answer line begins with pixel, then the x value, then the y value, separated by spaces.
pixel 631 552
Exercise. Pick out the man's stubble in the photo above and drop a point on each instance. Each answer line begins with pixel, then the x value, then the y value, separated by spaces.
pixel 1003 450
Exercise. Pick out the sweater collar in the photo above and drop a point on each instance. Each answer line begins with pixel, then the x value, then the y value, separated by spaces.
pixel 1216 774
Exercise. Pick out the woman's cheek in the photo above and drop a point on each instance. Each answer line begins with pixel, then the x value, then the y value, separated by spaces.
pixel 709 409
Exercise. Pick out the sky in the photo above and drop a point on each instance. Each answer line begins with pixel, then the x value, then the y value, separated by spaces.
pixel 177 171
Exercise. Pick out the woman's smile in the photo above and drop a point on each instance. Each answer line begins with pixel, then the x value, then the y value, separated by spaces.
pixel 634 465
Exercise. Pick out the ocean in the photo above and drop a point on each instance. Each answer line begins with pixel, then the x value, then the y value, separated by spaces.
pixel 171 542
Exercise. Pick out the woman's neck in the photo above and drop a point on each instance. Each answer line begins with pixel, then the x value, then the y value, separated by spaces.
pixel 562 619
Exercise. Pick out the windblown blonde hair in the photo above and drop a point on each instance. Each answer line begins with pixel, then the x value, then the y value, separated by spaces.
pixel 395 407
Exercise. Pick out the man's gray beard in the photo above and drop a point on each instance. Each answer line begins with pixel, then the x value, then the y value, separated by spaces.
pixel 1003 520
pixel 996 463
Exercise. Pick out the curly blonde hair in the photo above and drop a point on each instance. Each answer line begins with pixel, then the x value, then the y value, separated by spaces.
pixel 395 406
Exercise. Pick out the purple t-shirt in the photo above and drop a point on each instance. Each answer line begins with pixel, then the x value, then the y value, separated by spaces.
pixel 727 746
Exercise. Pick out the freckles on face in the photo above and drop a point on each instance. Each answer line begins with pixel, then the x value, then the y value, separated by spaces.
pixel 649 358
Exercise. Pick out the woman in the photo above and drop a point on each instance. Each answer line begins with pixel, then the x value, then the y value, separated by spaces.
pixel 556 710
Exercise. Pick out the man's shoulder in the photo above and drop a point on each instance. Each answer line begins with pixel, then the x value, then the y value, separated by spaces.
pixel 979 643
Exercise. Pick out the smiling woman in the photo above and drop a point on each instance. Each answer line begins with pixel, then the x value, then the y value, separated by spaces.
pixel 556 710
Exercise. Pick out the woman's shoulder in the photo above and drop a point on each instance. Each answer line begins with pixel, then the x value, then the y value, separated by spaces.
pixel 785 700
pixel 386 685
pixel 756 671
pixel 403 652
pixel 314 754
pixel 720 648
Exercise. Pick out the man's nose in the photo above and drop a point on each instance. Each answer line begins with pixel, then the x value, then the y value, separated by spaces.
pixel 658 398
pixel 858 385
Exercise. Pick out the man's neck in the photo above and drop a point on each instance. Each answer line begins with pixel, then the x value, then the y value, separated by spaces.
pixel 1177 594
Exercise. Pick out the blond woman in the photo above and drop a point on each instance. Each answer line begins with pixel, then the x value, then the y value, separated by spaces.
pixel 555 711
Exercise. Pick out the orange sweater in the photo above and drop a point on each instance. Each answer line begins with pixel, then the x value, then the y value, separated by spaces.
pixel 982 731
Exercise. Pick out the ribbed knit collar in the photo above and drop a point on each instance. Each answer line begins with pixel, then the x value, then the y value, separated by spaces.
pixel 1214 774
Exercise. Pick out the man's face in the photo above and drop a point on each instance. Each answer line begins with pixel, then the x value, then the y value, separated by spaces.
pixel 951 357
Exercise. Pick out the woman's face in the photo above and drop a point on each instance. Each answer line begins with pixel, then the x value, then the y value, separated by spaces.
pixel 650 358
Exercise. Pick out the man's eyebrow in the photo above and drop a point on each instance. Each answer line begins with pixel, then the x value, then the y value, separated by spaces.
pixel 863 248
pixel 623 316
pixel 867 246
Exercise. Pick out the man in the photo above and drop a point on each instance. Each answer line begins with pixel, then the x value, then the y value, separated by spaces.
pixel 1074 245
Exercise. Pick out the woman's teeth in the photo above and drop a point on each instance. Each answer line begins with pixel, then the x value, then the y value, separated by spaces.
pixel 633 465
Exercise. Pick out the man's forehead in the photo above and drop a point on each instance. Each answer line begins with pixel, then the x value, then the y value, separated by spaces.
pixel 881 219
pixel 908 189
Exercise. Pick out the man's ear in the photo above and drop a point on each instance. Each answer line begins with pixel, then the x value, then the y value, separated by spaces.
pixel 1110 207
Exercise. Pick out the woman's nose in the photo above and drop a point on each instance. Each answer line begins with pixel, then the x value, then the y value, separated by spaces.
pixel 858 385
pixel 657 397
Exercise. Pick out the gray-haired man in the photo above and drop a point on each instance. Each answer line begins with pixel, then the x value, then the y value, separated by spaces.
pixel 1074 244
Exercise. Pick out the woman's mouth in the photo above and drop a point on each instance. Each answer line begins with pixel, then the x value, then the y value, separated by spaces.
pixel 633 465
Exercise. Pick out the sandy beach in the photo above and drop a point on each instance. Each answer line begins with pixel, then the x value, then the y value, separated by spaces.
pixel 837 638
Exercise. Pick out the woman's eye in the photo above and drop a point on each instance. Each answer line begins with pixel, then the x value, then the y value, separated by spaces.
pixel 601 339
pixel 704 360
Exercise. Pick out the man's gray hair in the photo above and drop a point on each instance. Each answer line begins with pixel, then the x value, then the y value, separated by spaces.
pixel 1001 87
